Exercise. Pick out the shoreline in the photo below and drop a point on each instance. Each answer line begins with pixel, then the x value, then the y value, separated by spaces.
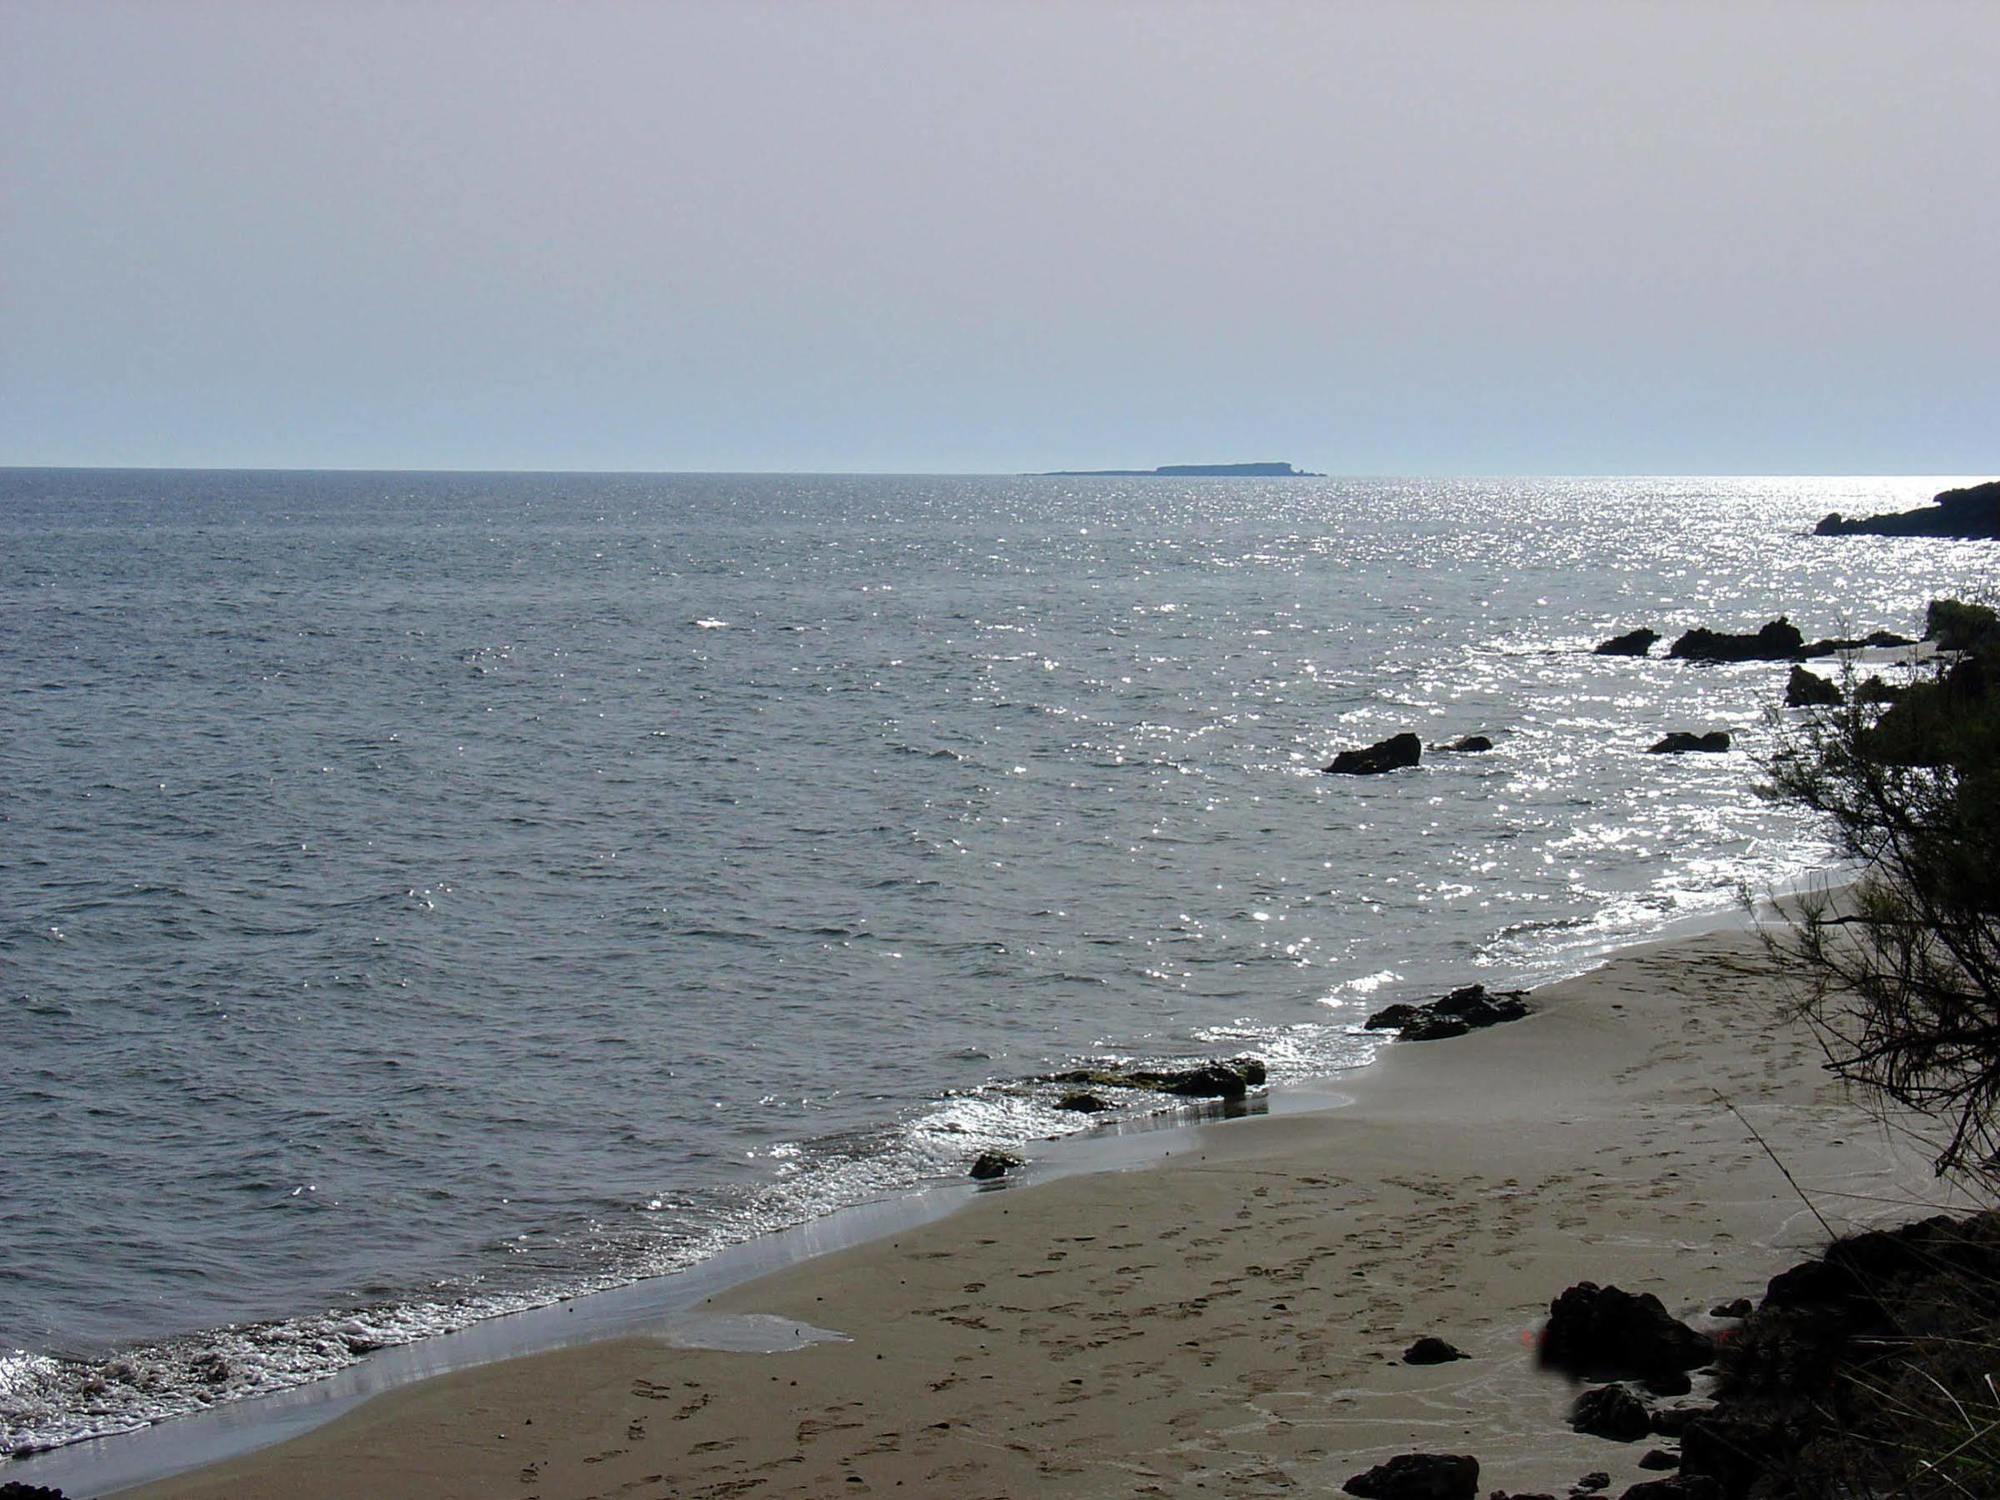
pixel 1583 1142
pixel 193 1439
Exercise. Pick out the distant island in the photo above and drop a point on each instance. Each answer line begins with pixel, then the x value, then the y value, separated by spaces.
pixel 1189 471
pixel 1969 513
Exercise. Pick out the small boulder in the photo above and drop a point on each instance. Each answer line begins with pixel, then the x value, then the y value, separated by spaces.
pixel 1611 1411
pixel 1605 1331
pixel 1591 1483
pixel 1471 744
pixel 1681 742
pixel 1391 754
pixel 1741 1307
pixel 1631 643
pixel 993 1164
pixel 1807 689
pixel 1419 1476
pixel 1430 1350
pixel 1659 1458
pixel 1393 1016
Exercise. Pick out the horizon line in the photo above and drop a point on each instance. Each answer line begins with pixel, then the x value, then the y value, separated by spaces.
pixel 15 468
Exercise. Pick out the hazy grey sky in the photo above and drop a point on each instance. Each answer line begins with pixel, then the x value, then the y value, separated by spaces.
pixel 1386 237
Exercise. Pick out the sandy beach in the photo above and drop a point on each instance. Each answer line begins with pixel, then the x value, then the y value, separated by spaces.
pixel 1229 1322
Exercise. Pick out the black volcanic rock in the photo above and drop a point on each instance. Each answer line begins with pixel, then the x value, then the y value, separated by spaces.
pixel 1778 640
pixel 1681 742
pixel 1465 1009
pixel 1631 643
pixel 1972 513
pixel 1392 754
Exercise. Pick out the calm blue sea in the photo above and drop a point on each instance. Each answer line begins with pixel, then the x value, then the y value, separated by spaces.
pixel 425 895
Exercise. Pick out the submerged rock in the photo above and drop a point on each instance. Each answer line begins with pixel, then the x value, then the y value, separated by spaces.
pixel 1419 1476
pixel 1632 643
pixel 1778 640
pixel 1471 744
pixel 1392 754
pixel 1682 742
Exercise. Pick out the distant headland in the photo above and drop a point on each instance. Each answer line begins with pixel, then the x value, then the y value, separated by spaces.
pixel 1190 471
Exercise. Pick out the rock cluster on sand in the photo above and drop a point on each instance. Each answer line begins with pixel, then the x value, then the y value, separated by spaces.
pixel 1466 1009
pixel 1604 1332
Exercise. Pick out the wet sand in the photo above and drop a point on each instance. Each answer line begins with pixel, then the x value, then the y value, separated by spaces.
pixel 1229 1322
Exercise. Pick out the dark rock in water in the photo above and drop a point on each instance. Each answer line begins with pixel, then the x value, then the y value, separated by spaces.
pixel 1681 742
pixel 1807 689
pixel 1472 744
pixel 1083 1104
pixel 13 1489
pixel 1464 1009
pixel 1419 1476
pixel 1611 1411
pixel 1779 640
pixel 1659 1458
pixel 1680 1487
pixel 1741 1307
pixel 1668 1383
pixel 1430 1350
pixel 1481 1006
pixel 1832 646
pixel 1392 754
pixel 993 1164
pixel 1631 643
pixel 1875 690
pixel 1217 1080
pixel 1604 1331
pixel 1971 513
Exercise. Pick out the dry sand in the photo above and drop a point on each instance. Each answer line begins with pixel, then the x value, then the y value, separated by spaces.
pixel 1228 1323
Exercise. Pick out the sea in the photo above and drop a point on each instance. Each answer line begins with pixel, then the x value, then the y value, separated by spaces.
pixel 425 896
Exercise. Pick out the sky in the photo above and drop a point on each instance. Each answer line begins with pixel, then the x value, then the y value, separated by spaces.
pixel 1402 237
